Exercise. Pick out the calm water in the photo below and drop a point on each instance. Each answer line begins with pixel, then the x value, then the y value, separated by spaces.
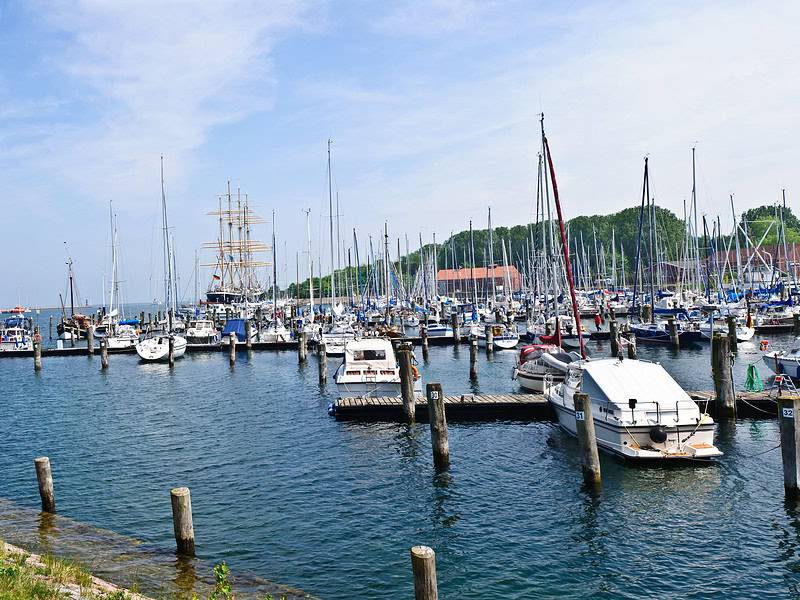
pixel 283 491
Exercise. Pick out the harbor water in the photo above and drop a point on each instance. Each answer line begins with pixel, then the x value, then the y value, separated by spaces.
pixel 284 492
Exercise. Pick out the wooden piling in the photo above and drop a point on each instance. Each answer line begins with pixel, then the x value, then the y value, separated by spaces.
pixel 613 336
pixel 473 357
pixel 51 327
pixel 796 324
pixel 232 350
pixel 489 332
pixel 721 371
pixel 90 340
pixel 647 313
pixel 439 439
pixel 322 359
pixel 789 418
pixel 587 442
pixel 37 350
pixel 454 326
pixel 301 346
pixel 248 331
pixel 406 381
pixel 732 339
pixel 423 332
pixel 103 353
pixel 631 337
pixel 674 339
pixel 44 476
pixel 171 351
pixel 423 564
pixel 182 520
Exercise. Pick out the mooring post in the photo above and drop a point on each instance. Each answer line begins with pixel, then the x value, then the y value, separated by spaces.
pixel 587 442
pixel 171 350
pixel 489 332
pixel 674 339
pixel 423 332
pixel 44 476
pixel 323 363
pixel 631 345
pixel 454 325
pixel 721 371
pixel 647 312
pixel 182 520
pixel 438 421
pixel 423 564
pixel 732 339
pixel 51 327
pixel 613 337
pixel 789 417
pixel 248 331
pixel 473 357
pixel 406 382
pixel 37 350
pixel 796 323
pixel 103 353
pixel 141 319
pixel 232 349
pixel 301 346
pixel 90 340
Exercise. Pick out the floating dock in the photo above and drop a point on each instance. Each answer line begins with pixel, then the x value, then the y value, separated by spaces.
pixel 525 407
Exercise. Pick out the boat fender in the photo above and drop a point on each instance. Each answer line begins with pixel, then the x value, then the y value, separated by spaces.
pixel 763 345
pixel 658 434
pixel 415 372
pixel 332 409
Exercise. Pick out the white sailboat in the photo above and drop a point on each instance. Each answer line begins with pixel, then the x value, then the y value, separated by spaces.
pixel 154 347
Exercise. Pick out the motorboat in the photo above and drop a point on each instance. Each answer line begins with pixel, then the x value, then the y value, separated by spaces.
pixel 154 347
pixel 369 369
pixel 743 332
pixel 541 365
pixel 201 332
pixel 639 411
pixel 15 334
pixel 336 335
pixel 123 336
pixel 503 337
pixel 659 332
pixel 410 320
pixel 785 362
pixel 437 330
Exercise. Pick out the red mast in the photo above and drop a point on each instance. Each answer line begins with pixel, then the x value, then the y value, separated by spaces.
pixel 564 248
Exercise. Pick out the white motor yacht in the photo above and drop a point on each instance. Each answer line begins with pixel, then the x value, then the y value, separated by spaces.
pixel 369 369
pixel 504 338
pixel 336 336
pixel 639 410
pixel 123 336
pixel 202 332
pixel 154 347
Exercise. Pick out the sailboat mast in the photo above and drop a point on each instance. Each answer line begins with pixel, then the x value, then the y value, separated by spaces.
pixel 310 266
pixel 274 272
pixel 330 210
pixel 491 260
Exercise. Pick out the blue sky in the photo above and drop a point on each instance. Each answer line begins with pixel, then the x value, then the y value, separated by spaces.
pixel 432 107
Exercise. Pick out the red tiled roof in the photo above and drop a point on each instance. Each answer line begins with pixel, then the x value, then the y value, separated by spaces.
pixel 479 273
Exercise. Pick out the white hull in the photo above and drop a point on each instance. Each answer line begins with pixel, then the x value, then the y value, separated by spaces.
pixel 537 382
pixel 156 348
pixel 500 342
pixel 118 343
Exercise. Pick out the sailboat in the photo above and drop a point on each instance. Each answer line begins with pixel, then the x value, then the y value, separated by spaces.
pixel 74 326
pixel 154 347
pixel 275 331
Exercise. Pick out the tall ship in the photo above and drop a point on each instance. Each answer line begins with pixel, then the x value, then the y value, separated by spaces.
pixel 234 279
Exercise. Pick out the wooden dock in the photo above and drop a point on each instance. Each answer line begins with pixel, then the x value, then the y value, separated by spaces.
pixel 526 407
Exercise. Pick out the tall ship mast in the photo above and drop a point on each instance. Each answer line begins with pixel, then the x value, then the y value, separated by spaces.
pixel 234 278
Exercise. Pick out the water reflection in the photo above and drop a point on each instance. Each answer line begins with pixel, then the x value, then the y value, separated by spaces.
pixel 185 576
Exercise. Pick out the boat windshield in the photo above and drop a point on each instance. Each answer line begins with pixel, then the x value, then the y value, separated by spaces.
pixel 369 355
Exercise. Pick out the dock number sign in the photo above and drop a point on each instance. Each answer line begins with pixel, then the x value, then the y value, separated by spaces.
pixel 434 395
pixel 579 416
pixel 788 413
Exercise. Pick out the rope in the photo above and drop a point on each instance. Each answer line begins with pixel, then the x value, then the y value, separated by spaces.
pixel 765 451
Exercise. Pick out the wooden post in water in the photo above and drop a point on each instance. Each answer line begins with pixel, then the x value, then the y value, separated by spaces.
pixel 473 357
pixel 232 349
pixel 732 339
pixel 90 340
pixel 796 324
pixel 423 332
pixel 45 478
pixel 423 564
pixel 301 346
pixel 51 327
pixel 613 336
pixel 438 421
pixel 631 337
pixel 406 381
pixel 322 359
pixel 647 312
pixel 789 417
pixel 248 331
pixel 674 339
pixel 587 442
pixel 489 332
pixel 454 325
pixel 721 370
pixel 141 319
pixel 182 520
pixel 171 351
pixel 103 353
pixel 37 350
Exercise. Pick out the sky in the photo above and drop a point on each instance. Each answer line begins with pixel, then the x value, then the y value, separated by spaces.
pixel 432 105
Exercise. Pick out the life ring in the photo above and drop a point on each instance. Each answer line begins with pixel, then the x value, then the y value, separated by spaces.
pixel 763 345
pixel 415 372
